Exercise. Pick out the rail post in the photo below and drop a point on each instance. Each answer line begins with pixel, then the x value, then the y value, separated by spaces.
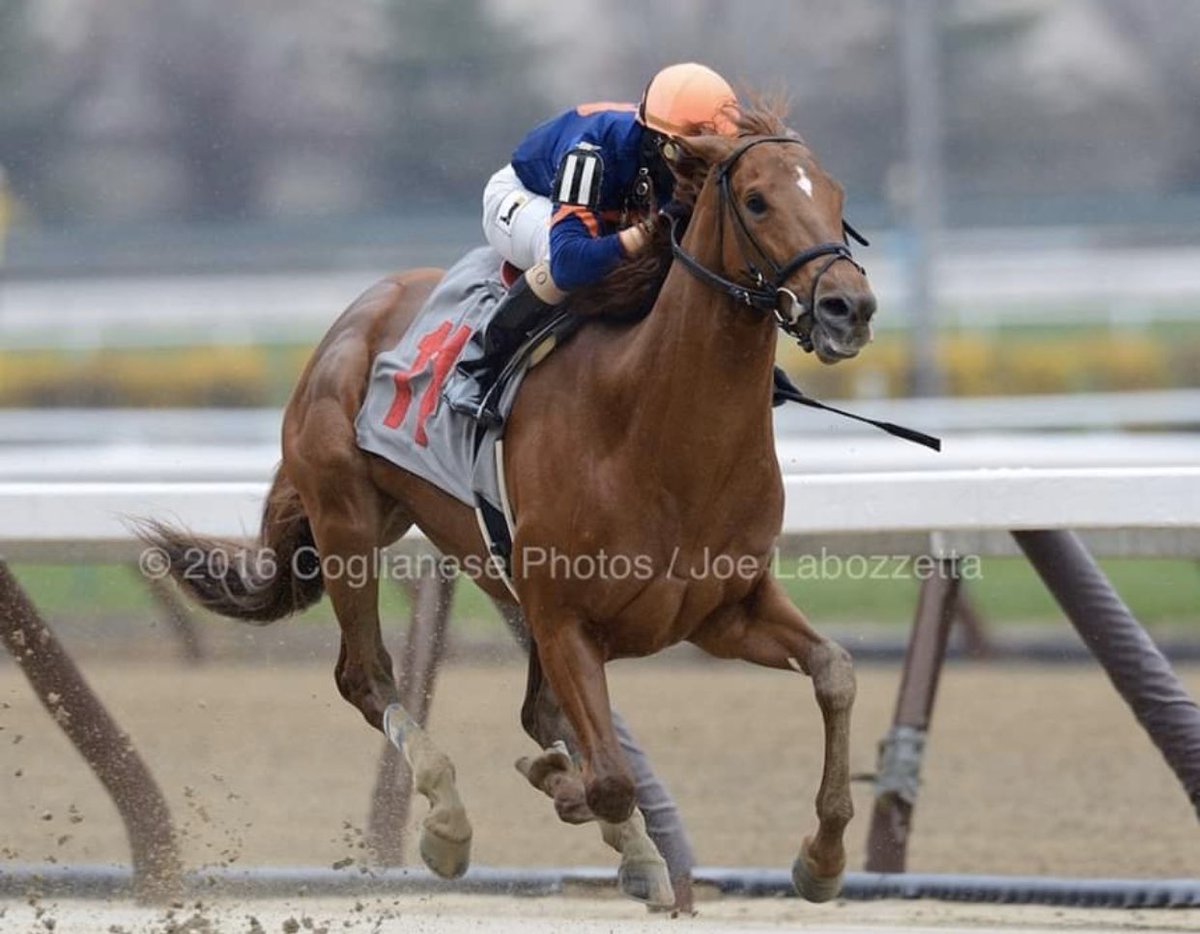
pixel 62 690
pixel 901 750
pixel 1138 670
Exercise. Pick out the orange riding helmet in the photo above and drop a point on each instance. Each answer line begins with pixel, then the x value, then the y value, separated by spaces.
pixel 682 97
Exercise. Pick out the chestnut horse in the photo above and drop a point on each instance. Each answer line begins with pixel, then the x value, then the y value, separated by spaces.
pixel 647 441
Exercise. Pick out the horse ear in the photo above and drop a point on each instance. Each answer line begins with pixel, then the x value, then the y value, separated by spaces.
pixel 709 149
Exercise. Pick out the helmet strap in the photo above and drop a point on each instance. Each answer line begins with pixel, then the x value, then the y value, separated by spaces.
pixel 653 168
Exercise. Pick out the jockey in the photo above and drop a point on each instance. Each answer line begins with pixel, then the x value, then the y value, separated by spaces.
pixel 556 210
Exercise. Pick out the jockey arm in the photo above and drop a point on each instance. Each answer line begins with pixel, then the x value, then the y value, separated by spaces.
pixel 579 253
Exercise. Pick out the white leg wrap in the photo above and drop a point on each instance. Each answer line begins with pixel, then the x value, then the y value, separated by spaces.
pixel 446 832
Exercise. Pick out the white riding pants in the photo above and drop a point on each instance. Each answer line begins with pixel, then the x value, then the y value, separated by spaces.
pixel 516 222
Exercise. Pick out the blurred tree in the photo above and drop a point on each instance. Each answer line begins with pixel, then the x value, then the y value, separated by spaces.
pixel 834 60
pixel 200 63
pixel 1047 99
pixel 456 95
pixel 38 91
pixel 1166 34
pixel 222 109
pixel 987 112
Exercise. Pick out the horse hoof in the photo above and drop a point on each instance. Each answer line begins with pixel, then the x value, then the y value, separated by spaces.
pixel 446 857
pixel 647 882
pixel 812 887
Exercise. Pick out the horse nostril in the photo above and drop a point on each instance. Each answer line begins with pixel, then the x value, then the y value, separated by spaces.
pixel 856 309
pixel 834 306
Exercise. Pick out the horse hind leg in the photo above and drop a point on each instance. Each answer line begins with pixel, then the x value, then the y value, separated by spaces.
pixel 364 677
pixel 347 517
pixel 445 833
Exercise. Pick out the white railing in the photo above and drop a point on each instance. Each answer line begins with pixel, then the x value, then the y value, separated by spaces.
pixel 91 521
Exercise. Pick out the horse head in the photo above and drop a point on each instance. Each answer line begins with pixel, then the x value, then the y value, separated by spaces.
pixel 768 219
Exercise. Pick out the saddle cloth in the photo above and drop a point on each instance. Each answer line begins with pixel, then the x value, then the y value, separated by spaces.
pixel 403 418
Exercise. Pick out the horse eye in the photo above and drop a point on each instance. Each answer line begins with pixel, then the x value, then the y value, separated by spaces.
pixel 756 204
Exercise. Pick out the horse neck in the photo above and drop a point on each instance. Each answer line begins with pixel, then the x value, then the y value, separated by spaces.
pixel 701 365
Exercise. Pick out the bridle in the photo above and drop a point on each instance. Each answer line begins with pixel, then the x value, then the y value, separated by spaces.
pixel 767 287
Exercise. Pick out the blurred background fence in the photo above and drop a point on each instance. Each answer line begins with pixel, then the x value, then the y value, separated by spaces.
pixel 206 173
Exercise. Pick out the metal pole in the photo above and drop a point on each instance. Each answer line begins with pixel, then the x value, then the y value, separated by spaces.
pixel 65 694
pixel 423 650
pixel 900 752
pixel 923 109
pixel 1138 670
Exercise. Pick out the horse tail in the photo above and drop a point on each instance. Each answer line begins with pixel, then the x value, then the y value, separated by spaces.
pixel 275 576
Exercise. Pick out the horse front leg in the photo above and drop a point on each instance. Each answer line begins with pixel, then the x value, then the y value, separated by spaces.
pixel 552 772
pixel 768 630
pixel 573 665
pixel 644 874
pixel 345 536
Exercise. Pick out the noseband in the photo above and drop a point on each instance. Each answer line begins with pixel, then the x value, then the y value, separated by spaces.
pixel 767 287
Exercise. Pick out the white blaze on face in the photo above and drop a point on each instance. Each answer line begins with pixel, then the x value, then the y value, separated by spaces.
pixel 803 182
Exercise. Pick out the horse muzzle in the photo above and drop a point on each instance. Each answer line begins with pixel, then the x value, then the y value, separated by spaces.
pixel 841 324
pixel 830 349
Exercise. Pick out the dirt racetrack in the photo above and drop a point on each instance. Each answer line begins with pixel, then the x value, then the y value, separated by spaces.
pixel 1030 770
pixel 454 914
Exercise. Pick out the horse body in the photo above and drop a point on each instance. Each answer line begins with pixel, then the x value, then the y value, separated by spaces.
pixel 646 445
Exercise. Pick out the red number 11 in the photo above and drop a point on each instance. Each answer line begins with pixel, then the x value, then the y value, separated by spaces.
pixel 441 349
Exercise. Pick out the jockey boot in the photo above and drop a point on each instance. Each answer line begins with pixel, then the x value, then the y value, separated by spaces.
pixel 471 391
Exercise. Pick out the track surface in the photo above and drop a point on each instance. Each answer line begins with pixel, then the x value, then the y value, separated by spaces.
pixel 497 915
pixel 1029 771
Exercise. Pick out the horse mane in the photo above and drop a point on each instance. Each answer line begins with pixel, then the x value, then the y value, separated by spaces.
pixel 628 292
